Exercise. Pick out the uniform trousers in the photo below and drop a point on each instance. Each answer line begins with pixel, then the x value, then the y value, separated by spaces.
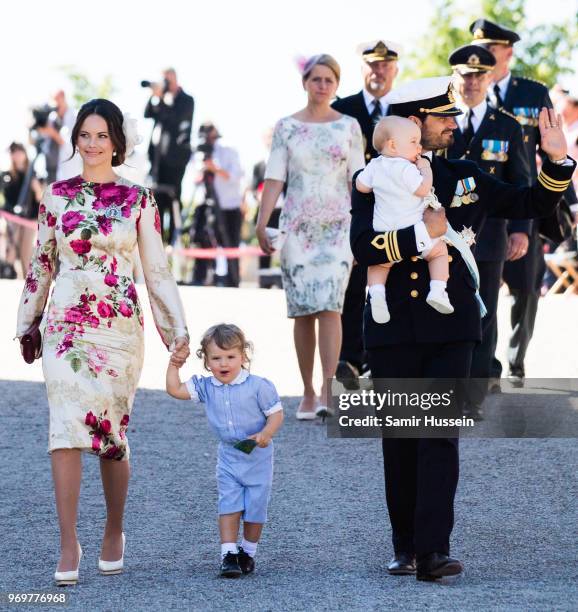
pixel 352 318
pixel 483 355
pixel 524 278
pixel 421 475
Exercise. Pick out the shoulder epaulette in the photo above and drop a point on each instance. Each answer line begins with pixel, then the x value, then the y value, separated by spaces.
pixel 523 78
pixel 507 112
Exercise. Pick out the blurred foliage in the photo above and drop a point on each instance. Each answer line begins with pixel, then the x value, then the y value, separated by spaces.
pixel 83 89
pixel 544 53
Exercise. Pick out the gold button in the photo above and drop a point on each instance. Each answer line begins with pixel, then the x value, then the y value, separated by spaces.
pixel 414 293
pixel 450 258
pixel 414 258
pixel 413 275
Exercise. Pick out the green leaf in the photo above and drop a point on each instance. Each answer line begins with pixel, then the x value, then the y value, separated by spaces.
pixel 75 364
pixel 85 234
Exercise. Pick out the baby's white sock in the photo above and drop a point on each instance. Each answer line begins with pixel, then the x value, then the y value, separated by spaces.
pixel 229 547
pixel 249 547
pixel 377 291
pixel 437 286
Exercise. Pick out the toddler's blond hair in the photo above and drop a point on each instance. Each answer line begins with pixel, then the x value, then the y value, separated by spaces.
pixel 386 129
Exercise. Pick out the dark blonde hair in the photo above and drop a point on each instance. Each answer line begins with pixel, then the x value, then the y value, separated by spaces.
pixel 323 59
pixel 226 336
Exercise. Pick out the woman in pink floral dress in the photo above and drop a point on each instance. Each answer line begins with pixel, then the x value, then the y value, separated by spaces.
pixel 315 152
pixel 93 340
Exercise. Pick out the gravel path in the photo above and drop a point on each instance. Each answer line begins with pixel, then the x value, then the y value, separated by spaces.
pixel 328 540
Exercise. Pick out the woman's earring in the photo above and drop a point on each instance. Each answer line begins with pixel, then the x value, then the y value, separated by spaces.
pixel 114 153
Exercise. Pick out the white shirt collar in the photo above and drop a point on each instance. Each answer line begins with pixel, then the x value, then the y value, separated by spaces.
pixel 503 85
pixel 368 98
pixel 241 378
pixel 478 111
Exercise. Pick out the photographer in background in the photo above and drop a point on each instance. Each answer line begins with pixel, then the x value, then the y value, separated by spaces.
pixel 53 127
pixel 221 179
pixel 170 146
pixel 22 194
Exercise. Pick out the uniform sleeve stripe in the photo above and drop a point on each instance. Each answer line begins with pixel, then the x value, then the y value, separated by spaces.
pixel 386 236
pixel 390 244
pixel 550 187
pixel 554 181
pixel 396 247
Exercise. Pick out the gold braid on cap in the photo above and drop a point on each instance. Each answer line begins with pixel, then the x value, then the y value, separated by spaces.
pixel 445 107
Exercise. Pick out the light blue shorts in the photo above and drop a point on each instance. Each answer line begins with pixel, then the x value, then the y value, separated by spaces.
pixel 244 482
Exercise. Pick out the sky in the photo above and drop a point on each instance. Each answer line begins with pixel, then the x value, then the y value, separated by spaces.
pixel 237 58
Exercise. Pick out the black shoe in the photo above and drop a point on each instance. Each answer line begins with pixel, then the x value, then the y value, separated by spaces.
pixel 246 562
pixel 230 566
pixel 494 385
pixel 347 375
pixel 437 565
pixel 402 564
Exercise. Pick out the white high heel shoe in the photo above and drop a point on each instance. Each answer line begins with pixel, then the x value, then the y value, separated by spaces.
pixel 71 577
pixel 108 568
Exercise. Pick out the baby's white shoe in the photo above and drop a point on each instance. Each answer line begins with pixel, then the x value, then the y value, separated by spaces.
pixel 440 301
pixel 379 310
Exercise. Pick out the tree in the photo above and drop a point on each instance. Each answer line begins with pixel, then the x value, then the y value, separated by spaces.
pixel 85 90
pixel 534 53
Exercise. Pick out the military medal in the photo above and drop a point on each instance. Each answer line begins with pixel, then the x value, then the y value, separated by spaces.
pixel 466 198
pixel 474 197
pixel 526 115
pixel 495 150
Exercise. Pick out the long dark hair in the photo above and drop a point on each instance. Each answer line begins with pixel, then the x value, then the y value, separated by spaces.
pixel 112 114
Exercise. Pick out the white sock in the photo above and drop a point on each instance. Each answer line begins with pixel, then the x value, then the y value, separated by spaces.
pixel 437 286
pixel 229 547
pixel 377 292
pixel 249 547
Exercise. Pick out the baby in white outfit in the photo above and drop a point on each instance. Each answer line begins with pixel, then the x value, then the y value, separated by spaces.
pixel 400 180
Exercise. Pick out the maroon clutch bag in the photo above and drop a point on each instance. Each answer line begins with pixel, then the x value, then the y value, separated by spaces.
pixel 31 342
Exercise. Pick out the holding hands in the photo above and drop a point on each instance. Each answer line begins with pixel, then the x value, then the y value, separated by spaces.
pixel 180 353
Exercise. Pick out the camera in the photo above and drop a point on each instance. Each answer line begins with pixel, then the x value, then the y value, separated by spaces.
pixel 154 84
pixel 206 144
pixel 41 115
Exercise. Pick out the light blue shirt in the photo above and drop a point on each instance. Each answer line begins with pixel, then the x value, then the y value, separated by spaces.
pixel 236 410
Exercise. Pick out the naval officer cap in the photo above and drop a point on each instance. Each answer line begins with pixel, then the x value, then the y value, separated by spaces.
pixel 472 58
pixel 486 32
pixel 422 97
pixel 379 50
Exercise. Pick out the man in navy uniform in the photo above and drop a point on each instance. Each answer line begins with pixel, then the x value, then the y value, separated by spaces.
pixel 379 69
pixel 524 98
pixel 421 475
pixel 494 140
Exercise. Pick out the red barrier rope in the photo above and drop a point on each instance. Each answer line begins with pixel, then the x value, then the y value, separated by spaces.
pixel 229 252
pixel 19 220
pixel 212 253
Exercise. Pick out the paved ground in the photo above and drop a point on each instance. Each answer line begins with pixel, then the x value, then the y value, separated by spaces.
pixel 328 539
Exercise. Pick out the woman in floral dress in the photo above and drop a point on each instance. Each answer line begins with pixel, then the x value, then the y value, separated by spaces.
pixel 316 152
pixel 93 339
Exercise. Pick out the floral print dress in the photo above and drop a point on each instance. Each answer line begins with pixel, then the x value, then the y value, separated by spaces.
pixel 317 161
pixel 93 338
